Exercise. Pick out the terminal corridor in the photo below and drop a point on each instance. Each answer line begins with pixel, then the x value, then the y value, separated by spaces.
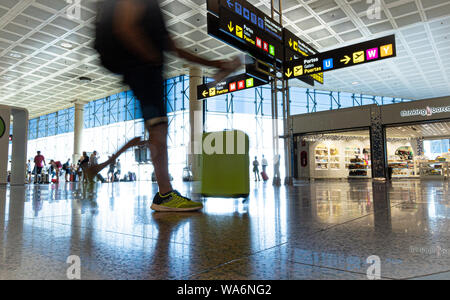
pixel 313 230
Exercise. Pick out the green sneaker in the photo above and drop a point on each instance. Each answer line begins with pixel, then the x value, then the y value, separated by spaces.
pixel 173 201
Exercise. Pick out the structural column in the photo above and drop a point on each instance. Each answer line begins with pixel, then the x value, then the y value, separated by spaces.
pixel 78 130
pixel 195 121
pixel 378 144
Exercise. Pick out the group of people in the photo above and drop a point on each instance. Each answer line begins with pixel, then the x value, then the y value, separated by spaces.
pixel 264 164
pixel 72 172
pixel 54 168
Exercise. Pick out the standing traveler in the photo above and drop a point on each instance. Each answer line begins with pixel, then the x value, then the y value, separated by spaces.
pixel 256 169
pixel 39 162
pixel 112 166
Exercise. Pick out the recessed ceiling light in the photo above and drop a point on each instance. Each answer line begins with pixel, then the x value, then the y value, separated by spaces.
pixel 66 45
pixel 5 77
pixel 84 79
pixel 15 55
pixel 355 82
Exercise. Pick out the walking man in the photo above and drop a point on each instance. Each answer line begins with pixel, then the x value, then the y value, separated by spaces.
pixel 131 38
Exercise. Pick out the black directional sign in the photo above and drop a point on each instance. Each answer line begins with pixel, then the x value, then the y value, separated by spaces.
pixel 246 28
pixel 296 48
pixel 367 52
pixel 228 85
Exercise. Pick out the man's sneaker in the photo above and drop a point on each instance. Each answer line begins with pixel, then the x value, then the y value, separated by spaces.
pixel 173 201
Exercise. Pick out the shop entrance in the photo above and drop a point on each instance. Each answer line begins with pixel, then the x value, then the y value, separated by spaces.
pixel 336 155
pixel 419 150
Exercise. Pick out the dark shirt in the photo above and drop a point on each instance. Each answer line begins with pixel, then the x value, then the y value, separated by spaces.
pixel 114 55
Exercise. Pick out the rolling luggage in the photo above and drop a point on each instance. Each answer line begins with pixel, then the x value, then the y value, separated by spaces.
pixel 264 176
pixel 45 179
pixel 225 164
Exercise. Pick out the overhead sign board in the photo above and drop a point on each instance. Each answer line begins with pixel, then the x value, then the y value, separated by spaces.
pixel 362 53
pixel 254 16
pixel 228 85
pixel 249 38
pixel 296 48
pixel 246 28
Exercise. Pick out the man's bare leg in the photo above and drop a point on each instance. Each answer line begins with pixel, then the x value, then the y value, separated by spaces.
pixel 92 171
pixel 158 152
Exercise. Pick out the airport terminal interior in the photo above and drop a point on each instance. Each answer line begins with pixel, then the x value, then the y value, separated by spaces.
pixel 357 159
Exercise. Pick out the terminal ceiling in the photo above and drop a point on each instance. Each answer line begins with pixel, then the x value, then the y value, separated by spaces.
pixel 39 72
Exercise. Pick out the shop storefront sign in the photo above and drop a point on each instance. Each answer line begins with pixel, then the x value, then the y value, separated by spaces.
pixel 425 112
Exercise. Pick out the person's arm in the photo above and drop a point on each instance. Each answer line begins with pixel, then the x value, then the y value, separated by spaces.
pixel 126 26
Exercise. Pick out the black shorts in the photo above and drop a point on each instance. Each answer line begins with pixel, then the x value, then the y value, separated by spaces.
pixel 147 84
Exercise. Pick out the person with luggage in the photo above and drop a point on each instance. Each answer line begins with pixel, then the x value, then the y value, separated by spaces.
pixel 256 169
pixel 39 163
pixel 131 38
pixel 264 165
pixel 57 166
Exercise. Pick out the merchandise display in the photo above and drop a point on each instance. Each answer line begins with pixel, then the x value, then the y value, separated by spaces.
pixel 334 158
pixel 434 169
pixel 357 161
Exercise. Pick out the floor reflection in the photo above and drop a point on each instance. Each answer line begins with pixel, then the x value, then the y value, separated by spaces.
pixel 297 232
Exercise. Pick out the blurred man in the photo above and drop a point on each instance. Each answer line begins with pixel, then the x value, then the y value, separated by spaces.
pixel 131 38
pixel 39 162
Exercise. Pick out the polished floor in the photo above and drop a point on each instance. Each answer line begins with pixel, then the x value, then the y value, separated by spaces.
pixel 314 230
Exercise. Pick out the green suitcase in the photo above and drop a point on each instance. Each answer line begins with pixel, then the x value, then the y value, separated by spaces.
pixel 225 164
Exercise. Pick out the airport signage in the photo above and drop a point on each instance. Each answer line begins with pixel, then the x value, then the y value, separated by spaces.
pixel 228 85
pixel 362 53
pixel 425 112
pixel 254 16
pixel 243 26
pixel 295 48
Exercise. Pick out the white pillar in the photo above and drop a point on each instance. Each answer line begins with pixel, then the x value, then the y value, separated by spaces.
pixel 195 119
pixel 19 144
pixel 5 118
pixel 78 131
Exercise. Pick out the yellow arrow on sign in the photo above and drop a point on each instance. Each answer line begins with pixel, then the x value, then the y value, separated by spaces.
pixel 346 59
pixel 205 92
pixel 288 73
pixel 230 27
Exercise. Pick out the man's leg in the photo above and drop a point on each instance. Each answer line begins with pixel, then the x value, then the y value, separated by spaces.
pixel 158 152
pixel 91 172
